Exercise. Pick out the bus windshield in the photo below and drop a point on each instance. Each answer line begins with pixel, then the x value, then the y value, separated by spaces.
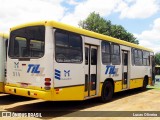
pixel 27 42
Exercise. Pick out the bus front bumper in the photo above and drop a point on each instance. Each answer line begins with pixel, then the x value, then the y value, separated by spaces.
pixel 46 95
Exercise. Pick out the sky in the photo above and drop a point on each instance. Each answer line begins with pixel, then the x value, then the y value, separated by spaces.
pixel 139 17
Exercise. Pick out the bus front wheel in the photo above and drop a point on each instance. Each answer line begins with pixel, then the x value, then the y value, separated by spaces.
pixel 107 91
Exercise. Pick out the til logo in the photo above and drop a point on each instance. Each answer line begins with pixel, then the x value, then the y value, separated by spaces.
pixel 33 68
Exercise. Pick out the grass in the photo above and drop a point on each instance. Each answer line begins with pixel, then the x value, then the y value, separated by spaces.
pixel 157 83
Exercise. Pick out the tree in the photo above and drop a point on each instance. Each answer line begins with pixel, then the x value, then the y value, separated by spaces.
pixel 157 58
pixel 94 22
pixel 119 32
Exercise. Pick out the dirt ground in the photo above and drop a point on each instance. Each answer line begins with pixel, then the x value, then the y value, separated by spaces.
pixel 132 100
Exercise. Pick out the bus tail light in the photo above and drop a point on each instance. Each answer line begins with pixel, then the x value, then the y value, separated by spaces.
pixel 47 83
pixel 47 79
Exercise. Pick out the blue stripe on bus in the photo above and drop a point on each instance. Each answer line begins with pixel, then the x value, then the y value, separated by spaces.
pixel 57 77
pixel 57 71
pixel 57 74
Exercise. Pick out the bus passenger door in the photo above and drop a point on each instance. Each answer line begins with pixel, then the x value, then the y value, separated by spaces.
pixel 90 70
pixel 124 69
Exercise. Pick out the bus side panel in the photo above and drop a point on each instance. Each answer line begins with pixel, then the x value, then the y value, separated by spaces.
pixel 137 75
pixel 70 82
pixel 107 72
pixel 69 93
pixel 69 79
pixel 135 83
pixel 118 86
pixel 117 76
pixel 2 64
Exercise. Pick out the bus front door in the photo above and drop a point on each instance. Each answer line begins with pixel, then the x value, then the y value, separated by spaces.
pixel 90 70
pixel 124 69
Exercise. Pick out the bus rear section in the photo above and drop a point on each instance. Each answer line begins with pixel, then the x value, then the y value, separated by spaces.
pixel 29 65
pixel 3 49
pixel 40 67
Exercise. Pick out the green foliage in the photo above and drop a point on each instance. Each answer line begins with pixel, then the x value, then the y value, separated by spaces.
pixel 157 58
pixel 94 22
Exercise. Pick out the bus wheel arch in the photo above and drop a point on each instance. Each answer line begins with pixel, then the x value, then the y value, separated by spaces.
pixel 145 82
pixel 107 90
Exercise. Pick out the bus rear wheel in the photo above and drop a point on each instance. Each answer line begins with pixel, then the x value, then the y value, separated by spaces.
pixel 107 91
pixel 145 82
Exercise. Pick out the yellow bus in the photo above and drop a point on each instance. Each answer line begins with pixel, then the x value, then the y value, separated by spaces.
pixel 3 53
pixel 58 62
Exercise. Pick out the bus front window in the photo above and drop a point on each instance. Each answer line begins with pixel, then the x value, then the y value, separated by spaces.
pixel 27 42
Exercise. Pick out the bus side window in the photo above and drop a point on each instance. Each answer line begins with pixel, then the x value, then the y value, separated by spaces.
pixel 133 57
pixel 93 56
pixel 61 43
pixel 86 56
pixel 125 59
pixel 68 47
pixel 145 58
pixel 75 47
pixel 106 52
pixel 138 57
pixel 115 54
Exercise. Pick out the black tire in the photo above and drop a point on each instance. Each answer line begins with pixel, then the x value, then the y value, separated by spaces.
pixel 107 91
pixel 145 83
